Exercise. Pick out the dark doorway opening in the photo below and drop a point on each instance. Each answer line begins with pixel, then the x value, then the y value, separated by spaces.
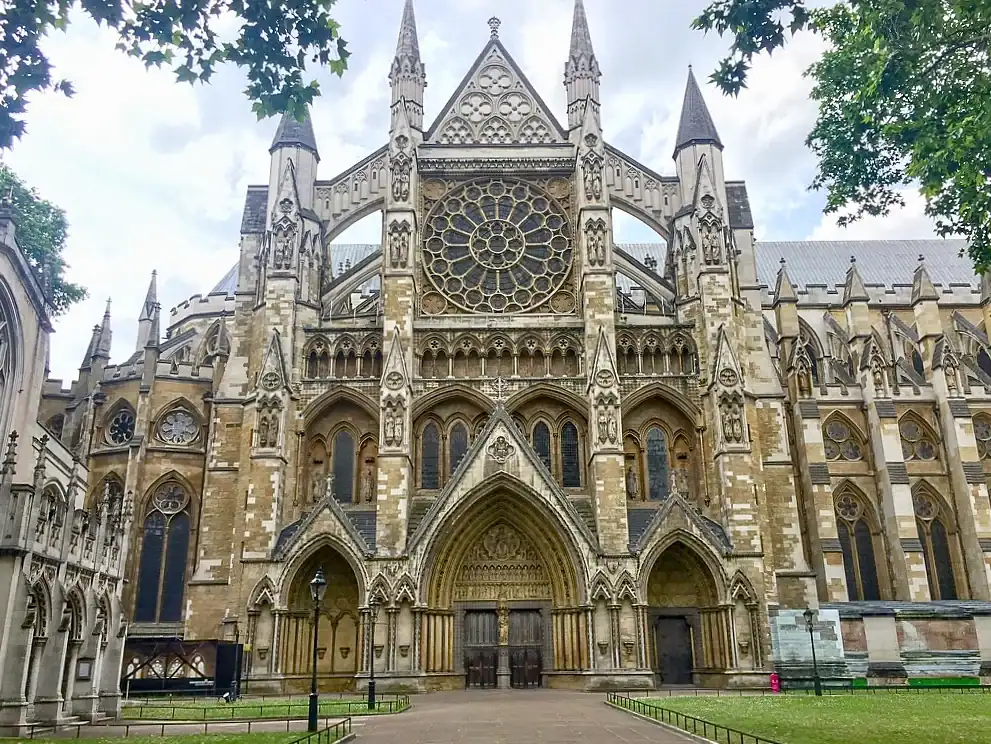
pixel 673 641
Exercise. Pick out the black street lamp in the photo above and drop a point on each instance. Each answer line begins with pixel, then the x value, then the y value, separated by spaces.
pixel 373 606
pixel 318 587
pixel 810 624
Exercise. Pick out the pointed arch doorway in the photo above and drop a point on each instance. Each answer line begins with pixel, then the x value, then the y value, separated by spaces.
pixel 502 593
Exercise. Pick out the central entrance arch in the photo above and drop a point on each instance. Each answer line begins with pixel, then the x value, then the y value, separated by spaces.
pixel 508 580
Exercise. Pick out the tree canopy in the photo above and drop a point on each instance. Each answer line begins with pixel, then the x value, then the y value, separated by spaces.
pixel 273 43
pixel 41 234
pixel 904 96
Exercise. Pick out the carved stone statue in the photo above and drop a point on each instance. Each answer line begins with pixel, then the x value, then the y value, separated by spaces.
pixel 316 486
pixel 592 176
pixel 673 485
pixel 399 239
pixel 632 484
pixel 710 234
pixel 732 419
pixel 401 168
pixel 263 430
pixel 367 489
pixel 602 424
pixel 613 427
pixel 595 240
pixel 394 425
pixel 503 624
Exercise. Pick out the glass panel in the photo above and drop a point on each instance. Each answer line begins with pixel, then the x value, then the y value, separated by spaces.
pixel 657 464
pixel 175 569
pixel 149 573
pixel 430 458
pixel 458 445
pixel 570 460
pixel 344 467
pixel 868 566
pixel 542 443
pixel 941 557
pixel 927 556
pixel 849 560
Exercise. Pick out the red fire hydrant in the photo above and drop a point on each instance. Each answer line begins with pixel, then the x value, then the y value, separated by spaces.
pixel 775 682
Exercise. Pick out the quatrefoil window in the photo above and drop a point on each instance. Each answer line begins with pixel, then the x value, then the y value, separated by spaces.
pixel 497 246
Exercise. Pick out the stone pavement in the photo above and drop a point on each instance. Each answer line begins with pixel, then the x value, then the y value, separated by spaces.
pixel 510 717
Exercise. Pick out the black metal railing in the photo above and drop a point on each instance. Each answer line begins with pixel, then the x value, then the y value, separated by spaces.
pixel 696 726
pixel 326 735
pixel 260 711
pixel 826 690
pixel 116 730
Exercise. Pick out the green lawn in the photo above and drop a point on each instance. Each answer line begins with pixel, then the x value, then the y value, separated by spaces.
pixel 200 710
pixel 928 718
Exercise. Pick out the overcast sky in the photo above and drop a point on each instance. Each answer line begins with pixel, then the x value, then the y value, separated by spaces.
pixel 153 173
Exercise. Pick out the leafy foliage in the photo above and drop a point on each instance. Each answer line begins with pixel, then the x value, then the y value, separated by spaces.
pixel 904 96
pixel 272 41
pixel 41 234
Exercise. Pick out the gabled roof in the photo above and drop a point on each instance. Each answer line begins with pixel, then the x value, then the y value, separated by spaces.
pixel 484 79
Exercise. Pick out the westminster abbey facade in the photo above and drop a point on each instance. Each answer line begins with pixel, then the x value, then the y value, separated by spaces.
pixel 523 454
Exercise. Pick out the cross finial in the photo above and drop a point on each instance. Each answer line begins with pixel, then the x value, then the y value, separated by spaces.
pixel 922 258
pixel 494 24
pixel 783 262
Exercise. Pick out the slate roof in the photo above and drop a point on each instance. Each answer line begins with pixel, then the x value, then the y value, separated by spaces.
pixel 738 209
pixel 227 285
pixel 881 263
pixel 293 133
pixel 253 217
pixel 696 123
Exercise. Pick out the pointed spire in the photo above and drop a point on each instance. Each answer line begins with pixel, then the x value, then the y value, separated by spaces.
pixel 105 335
pixel 408 76
pixel 696 126
pixel 581 71
pixel 409 44
pixel 784 290
pixel 293 133
pixel 922 284
pixel 94 341
pixel 151 299
pixel 854 289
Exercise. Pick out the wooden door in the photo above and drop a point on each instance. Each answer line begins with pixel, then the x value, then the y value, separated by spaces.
pixel 526 634
pixel 481 648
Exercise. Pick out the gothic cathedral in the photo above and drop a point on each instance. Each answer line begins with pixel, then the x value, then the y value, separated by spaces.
pixel 522 454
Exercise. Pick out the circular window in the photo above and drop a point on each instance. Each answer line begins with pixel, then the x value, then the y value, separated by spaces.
pixel 497 246
pixel 121 428
pixel 178 427
pixel 170 498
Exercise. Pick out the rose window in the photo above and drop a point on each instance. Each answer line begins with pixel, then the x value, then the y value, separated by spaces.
pixel 178 427
pixel 497 247
pixel 121 428
pixel 916 443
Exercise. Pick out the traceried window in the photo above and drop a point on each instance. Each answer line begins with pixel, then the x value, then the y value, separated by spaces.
pixel 935 539
pixel 497 246
pixel 457 445
pixel 430 457
pixel 982 433
pixel 6 367
pixel 840 442
pixel 542 443
pixel 164 548
pixel 178 427
pixel 120 431
pixel 917 442
pixel 570 457
pixel 343 458
pixel 658 482
pixel 857 544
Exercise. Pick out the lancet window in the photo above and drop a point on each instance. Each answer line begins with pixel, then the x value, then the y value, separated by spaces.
pixel 857 544
pixel 931 522
pixel 164 549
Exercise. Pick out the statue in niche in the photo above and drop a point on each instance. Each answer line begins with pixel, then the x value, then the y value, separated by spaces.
pixel 673 483
pixel 613 427
pixel 503 623
pixel 732 417
pixel 401 168
pixel 804 381
pixel 602 426
pixel 632 484
pixel 367 490
pixel 711 238
pixel 263 430
pixel 399 240
pixel 951 378
pixel 316 486
pixel 592 176
pixel 394 424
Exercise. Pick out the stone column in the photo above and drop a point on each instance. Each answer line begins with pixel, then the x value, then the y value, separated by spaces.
pixel 590 635
pixel 615 639
pixel 641 616
pixel 416 664
pixel 391 633
pixel 884 658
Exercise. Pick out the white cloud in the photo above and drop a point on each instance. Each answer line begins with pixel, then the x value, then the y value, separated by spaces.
pixel 905 223
pixel 152 173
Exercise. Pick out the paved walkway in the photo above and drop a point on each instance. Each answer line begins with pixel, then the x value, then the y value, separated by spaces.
pixel 510 717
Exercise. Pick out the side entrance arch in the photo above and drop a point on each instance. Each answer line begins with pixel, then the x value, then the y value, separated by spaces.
pixel 502 589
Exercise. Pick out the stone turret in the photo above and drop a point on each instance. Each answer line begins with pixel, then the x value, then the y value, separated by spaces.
pixel 147 318
pixel 581 71
pixel 407 76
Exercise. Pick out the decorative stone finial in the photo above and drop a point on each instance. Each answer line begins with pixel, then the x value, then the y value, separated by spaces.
pixel 494 24
pixel 853 259
pixel 922 259
pixel 783 262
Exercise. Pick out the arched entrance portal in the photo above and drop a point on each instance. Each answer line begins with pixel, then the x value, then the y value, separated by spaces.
pixel 503 590
pixel 338 650
pixel 687 629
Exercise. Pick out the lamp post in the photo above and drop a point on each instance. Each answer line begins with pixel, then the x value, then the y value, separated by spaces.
pixel 810 624
pixel 373 606
pixel 318 586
